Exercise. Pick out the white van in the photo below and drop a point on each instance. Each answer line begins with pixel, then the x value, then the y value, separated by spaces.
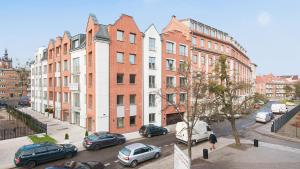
pixel 279 108
pixel 263 117
pixel 201 131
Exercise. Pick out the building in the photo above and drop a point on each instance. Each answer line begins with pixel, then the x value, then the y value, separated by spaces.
pixel 274 86
pixel 113 77
pixel 39 81
pixel 10 82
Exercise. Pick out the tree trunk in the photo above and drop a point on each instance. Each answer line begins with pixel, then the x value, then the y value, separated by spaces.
pixel 189 142
pixel 235 132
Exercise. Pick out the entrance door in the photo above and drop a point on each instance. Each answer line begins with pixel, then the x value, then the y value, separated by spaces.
pixel 174 118
pixel 77 118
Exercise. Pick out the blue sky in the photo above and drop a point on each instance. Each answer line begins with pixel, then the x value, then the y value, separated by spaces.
pixel 268 29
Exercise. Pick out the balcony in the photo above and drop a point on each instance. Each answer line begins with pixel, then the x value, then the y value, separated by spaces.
pixel 74 86
pixel 132 110
pixel 120 111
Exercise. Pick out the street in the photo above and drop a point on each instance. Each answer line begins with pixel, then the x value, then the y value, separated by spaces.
pixel 108 156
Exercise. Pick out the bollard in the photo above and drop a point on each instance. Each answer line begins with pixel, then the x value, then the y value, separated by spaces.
pixel 205 153
pixel 255 143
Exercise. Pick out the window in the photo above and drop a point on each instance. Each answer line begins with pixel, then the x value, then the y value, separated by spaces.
pixel 90 79
pixel 210 61
pixel 65 48
pixel 209 44
pixel 182 81
pixel 151 117
pixel 90 57
pixel 152 63
pixel 58 82
pixel 57 51
pixel 203 60
pixel 171 82
pixel 194 40
pixel 76 43
pixel 213 33
pixel 132 59
pixel 65 65
pixel 182 50
pixel 202 42
pixel 120 57
pixel 195 58
pixel 120 122
pixel 120 35
pixel 76 65
pixel 170 64
pixel 76 99
pixel 170 47
pixel 132 120
pixel 65 81
pixel 120 100
pixel 216 46
pixel 151 43
pixel 90 37
pixel 170 98
pixel 90 101
pixel 151 100
pixel 120 78
pixel 182 97
pixel 151 81
pixel 132 38
pixel 132 78
pixel 58 67
pixel 181 66
pixel 65 97
pixel 132 99
pixel 222 48
pixel 206 30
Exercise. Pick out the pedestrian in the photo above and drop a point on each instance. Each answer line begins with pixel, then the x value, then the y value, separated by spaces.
pixel 213 140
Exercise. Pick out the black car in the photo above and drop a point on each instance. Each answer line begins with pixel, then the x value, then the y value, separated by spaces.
pixel 29 156
pixel 102 139
pixel 152 130
pixel 79 165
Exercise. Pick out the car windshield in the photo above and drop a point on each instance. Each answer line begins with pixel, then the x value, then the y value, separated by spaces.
pixel 93 137
pixel 125 151
pixel 18 153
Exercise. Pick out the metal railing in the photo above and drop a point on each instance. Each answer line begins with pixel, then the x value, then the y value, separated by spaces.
pixel 282 120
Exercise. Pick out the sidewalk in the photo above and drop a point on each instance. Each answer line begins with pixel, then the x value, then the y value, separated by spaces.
pixel 226 157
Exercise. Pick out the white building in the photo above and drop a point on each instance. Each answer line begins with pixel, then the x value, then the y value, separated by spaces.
pixel 152 77
pixel 78 80
pixel 39 81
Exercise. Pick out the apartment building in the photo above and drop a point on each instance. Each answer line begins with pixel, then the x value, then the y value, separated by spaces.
pixel 274 86
pixel 39 80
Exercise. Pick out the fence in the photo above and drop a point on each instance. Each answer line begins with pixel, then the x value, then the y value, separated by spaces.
pixel 31 125
pixel 282 120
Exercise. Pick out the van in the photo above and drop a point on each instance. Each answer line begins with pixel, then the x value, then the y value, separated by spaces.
pixel 279 108
pixel 263 117
pixel 201 131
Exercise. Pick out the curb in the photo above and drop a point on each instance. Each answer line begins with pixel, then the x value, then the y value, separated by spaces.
pixel 278 137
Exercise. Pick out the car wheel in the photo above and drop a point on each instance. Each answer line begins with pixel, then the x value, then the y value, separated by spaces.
pixel 97 147
pixel 134 164
pixel 164 133
pixel 69 155
pixel 149 135
pixel 194 142
pixel 157 155
pixel 121 141
pixel 30 164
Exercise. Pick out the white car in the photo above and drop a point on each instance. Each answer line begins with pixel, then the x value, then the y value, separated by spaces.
pixel 279 108
pixel 263 117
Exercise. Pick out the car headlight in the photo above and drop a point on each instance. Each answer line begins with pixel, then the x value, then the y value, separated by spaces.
pixel 76 149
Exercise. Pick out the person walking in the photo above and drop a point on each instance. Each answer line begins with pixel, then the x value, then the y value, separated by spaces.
pixel 213 140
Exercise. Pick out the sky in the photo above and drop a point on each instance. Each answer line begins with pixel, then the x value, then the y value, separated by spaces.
pixel 267 29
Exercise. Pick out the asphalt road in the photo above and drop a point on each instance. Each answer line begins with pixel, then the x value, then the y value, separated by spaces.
pixel 108 156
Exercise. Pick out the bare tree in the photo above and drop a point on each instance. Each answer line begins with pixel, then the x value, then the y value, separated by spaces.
pixel 23 71
pixel 195 101
pixel 227 92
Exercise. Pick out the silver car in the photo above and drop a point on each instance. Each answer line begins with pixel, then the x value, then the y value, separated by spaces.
pixel 136 153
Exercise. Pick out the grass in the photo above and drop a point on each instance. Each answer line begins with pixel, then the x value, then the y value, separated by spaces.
pixel 45 138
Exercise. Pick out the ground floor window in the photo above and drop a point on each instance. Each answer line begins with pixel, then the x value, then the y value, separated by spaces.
pixel 120 122
pixel 152 118
pixel 132 120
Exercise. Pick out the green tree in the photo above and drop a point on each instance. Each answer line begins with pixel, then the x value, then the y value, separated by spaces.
pixel 227 92
pixel 297 89
pixel 288 90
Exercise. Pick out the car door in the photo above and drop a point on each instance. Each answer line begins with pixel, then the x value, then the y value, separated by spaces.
pixel 156 131
pixel 148 153
pixel 55 152
pixel 139 154
pixel 109 140
pixel 41 154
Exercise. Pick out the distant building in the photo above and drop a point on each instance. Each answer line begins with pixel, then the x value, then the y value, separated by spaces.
pixel 274 86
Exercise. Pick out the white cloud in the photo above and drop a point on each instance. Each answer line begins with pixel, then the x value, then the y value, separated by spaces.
pixel 264 18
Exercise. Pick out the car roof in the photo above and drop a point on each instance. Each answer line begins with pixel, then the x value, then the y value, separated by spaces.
pixel 32 146
pixel 135 146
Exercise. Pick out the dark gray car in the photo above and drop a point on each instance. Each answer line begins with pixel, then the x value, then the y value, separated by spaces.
pixel 102 139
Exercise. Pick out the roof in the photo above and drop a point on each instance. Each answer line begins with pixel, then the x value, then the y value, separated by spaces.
pixel 102 34
pixel 135 146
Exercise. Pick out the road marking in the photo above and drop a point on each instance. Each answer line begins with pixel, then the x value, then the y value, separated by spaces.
pixel 107 164
pixel 116 161
pixel 159 147
pixel 166 145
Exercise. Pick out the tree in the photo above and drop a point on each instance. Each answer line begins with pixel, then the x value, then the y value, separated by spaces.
pixel 23 71
pixel 288 90
pixel 227 91
pixel 196 104
pixel 297 89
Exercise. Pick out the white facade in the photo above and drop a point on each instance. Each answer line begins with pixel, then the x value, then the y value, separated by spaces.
pixel 39 81
pixel 253 78
pixel 102 87
pixel 152 54
pixel 78 87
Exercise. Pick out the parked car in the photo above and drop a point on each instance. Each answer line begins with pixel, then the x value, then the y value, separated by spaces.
pixel 264 117
pixel 279 108
pixel 24 101
pixel 152 130
pixel 136 153
pixel 33 154
pixel 79 165
pixel 201 131
pixel 102 139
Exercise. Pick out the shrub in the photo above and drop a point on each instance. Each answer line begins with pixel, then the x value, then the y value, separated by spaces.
pixel 86 133
pixel 66 136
